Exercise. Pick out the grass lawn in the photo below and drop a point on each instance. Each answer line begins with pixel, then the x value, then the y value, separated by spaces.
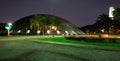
pixel 62 39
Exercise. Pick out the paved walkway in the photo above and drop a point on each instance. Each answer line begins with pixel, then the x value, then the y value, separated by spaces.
pixel 33 38
pixel 29 49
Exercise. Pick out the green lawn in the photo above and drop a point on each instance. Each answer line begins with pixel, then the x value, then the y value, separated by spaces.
pixel 62 39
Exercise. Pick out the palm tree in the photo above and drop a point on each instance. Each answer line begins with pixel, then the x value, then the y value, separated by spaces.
pixel 41 22
pixel 34 24
pixel 44 22
pixel 104 22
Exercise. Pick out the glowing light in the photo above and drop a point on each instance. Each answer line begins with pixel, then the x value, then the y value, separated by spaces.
pixel 38 31
pixel 58 32
pixel 18 31
pixel 8 27
pixel 53 27
pixel 66 32
pixel 48 31
pixel 10 24
pixel 102 30
pixel 111 9
pixel 28 31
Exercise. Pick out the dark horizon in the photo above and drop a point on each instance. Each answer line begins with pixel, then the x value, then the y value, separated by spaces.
pixel 78 12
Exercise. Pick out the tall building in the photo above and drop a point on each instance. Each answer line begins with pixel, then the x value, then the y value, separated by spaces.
pixel 111 9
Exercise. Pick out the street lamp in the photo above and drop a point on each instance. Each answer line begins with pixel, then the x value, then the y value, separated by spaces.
pixel 8 27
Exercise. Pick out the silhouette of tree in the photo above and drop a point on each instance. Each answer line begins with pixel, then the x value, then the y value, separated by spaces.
pixel 2 26
pixel 41 22
pixel 116 14
pixel 104 22
pixel 116 22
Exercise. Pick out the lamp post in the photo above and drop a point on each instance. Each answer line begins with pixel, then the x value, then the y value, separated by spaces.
pixel 8 27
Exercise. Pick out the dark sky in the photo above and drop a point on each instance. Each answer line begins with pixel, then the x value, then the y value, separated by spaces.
pixel 79 12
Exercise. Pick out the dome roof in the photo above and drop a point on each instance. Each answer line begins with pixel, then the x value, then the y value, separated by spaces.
pixel 45 23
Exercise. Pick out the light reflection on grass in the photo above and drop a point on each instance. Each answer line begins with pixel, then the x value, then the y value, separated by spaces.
pixel 62 39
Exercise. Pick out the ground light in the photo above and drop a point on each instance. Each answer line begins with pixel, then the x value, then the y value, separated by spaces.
pixel 38 32
pixel 48 31
pixel 18 31
pixel 58 32
pixel 28 31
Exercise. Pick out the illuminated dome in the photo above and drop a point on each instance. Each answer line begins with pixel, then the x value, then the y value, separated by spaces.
pixel 44 24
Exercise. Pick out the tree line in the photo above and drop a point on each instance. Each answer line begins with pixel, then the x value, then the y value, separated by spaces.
pixel 104 24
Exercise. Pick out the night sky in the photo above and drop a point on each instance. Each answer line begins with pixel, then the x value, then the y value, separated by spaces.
pixel 79 12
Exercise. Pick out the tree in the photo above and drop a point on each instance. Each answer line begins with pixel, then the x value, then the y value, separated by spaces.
pixel 2 26
pixel 116 14
pixel 41 21
pixel 44 22
pixel 53 21
pixel 116 23
pixel 104 22
pixel 34 24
